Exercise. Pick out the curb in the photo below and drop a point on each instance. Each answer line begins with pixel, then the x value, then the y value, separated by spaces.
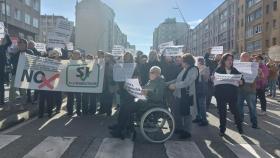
pixel 15 119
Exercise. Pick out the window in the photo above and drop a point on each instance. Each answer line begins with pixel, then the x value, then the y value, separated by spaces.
pixel 255 15
pixel 275 5
pixel 274 23
pixel 267 9
pixel 258 29
pixel 17 14
pixel 267 43
pixel 8 9
pixel 27 19
pixel 35 22
pixel 274 41
pixel 28 2
pixel 36 5
pixel 267 26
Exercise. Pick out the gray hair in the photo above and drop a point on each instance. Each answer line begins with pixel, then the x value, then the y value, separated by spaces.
pixel 156 69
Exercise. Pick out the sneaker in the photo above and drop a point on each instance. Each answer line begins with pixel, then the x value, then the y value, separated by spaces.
pixel 262 113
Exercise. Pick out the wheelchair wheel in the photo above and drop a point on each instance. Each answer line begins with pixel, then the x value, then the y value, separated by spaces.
pixel 157 125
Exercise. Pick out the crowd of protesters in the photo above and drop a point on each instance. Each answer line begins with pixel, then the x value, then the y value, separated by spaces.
pixel 183 83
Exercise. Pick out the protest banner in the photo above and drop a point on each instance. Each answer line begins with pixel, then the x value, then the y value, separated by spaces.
pixel 67 75
pixel 249 70
pixel 173 51
pixel 162 46
pixel 133 87
pixel 274 53
pixel 232 79
pixel 123 71
pixel 217 50
pixel 41 47
pixel 2 30
pixel 118 50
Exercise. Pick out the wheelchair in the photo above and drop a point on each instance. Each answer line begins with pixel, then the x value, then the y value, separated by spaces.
pixel 156 124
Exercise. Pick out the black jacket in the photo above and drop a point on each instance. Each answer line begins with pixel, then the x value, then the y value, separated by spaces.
pixel 226 91
pixel 15 58
pixel 3 50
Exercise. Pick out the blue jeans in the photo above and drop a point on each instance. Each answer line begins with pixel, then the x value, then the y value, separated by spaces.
pixel 250 99
pixel 201 108
pixel 272 87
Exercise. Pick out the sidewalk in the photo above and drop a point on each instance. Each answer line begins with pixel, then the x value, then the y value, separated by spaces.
pixel 15 115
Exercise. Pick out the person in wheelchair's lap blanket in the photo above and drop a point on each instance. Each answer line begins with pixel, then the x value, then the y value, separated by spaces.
pixel 154 92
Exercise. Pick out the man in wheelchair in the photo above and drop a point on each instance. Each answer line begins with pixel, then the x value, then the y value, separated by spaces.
pixel 154 92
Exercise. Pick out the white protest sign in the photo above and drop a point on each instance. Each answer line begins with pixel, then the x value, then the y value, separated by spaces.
pixel 123 71
pixel 118 50
pixel 70 46
pixel 2 30
pixel 67 75
pixel 133 87
pixel 217 50
pixel 274 53
pixel 55 41
pixel 249 70
pixel 173 51
pixel 162 46
pixel 41 47
pixel 232 79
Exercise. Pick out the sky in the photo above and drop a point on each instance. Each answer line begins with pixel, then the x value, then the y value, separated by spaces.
pixel 138 18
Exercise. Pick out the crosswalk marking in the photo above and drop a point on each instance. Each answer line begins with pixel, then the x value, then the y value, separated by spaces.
pixel 7 139
pixel 182 149
pixel 52 147
pixel 248 151
pixel 116 148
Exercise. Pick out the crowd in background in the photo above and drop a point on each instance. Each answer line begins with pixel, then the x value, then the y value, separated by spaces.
pixel 182 83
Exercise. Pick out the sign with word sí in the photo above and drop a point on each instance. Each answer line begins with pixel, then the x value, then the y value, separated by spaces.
pixel 232 79
pixel 41 47
pixel 67 75
pixel 173 51
pixel 123 71
pixel 118 50
pixel 133 87
pixel 249 70
pixel 217 50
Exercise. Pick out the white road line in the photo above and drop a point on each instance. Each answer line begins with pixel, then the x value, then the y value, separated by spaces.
pixel 182 149
pixel 7 139
pixel 248 151
pixel 116 148
pixel 51 147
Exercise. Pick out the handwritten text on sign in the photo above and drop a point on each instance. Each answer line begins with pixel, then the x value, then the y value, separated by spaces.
pixel 217 50
pixel 232 79
pixel 133 87
pixel 249 70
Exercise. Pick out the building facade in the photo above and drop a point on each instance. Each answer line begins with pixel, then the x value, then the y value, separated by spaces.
pixel 93 33
pixel 23 18
pixel 217 29
pixel 56 27
pixel 238 25
pixel 170 30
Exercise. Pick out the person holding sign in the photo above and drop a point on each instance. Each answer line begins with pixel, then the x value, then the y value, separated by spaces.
pixel 154 92
pixel 184 87
pixel 227 93
pixel 5 43
pixel 248 92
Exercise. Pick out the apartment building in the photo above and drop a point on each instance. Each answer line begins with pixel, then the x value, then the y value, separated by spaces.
pixel 23 18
